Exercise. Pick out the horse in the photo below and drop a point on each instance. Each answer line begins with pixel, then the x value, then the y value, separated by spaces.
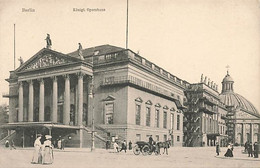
pixel 165 145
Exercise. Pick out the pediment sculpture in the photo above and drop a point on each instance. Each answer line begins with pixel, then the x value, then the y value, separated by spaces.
pixel 45 61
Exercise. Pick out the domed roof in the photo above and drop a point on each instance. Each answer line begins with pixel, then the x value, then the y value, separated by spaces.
pixel 228 78
pixel 236 100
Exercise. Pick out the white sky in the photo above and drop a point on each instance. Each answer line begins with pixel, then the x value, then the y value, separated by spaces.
pixel 184 37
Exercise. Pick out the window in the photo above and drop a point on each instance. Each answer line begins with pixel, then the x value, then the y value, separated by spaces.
pixel 109 110
pixel 178 122
pixel 157 138
pixel 172 120
pixel 138 137
pixel 164 119
pixel 148 116
pixel 157 118
pixel 138 114
pixel 178 138
pixel 165 138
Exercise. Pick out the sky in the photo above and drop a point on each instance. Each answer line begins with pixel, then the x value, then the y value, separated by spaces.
pixel 184 37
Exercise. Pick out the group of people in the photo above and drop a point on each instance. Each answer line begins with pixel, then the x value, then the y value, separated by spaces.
pixel 123 147
pixel 43 150
pixel 251 149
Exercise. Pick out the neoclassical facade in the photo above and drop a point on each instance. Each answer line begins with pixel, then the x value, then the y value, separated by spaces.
pixel 117 94
pixel 112 90
pixel 243 120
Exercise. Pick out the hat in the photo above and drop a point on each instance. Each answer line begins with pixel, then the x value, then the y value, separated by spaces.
pixel 48 137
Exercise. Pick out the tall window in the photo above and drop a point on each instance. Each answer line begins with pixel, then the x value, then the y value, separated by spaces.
pixel 148 116
pixel 109 110
pixel 164 119
pixel 178 122
pixel 157 118
pixel 172 120
pixel 138 114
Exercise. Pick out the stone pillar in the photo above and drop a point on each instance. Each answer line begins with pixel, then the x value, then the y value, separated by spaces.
pixel 80 98
pixel 20 114
pixel 54 99
pixel 244 133
pixel 252 132
pixel 41 100
pixel 66 111
pixel 30 116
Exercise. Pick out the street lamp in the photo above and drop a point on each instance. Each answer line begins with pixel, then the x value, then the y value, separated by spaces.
pixel 91 96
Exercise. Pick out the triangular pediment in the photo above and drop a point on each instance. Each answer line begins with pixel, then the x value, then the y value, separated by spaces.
pixel 139 99
pixel 149 102
pixel 46 58
pixel 158 105
pixel 109 98
pixel 245 115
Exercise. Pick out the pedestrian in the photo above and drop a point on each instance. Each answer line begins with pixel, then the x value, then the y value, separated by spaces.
pixel 229 152
pixel 116 147
pixel 217 149
pixel 107 144
pixel 47 151
pixel 246 146
pixel 37 155
pixel 256 150
pixel 130 145
pixel 250 150
pixel 123 146
pixel 12 144
pixel 151 140
pixel 59 144
pixel 62 144
pixel 7 143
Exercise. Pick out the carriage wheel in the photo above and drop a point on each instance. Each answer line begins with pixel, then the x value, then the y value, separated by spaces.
pixel 136 150
pixel 145 150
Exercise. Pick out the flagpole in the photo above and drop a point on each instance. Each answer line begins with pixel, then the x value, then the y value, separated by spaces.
pixel 127 25
pixel 14 46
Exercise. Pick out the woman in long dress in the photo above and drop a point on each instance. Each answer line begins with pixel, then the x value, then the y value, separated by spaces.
pixel 47 151
pixel 229 152
pixel 37 157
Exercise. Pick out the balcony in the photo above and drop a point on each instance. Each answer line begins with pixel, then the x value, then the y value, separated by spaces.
pixel 209 101
pixel 208 109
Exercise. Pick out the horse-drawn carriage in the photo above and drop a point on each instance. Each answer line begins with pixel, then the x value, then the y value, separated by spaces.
pixel 145 148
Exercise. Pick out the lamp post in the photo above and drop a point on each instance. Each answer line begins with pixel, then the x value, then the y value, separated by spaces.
pixel 91 96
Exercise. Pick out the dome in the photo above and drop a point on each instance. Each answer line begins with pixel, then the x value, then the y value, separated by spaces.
pixel 236 100
pixel 228 78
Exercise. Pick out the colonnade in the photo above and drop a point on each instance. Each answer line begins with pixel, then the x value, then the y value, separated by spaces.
pixel 54 109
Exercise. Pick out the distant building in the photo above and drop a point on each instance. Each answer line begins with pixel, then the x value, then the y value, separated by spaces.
pixel 243 118
pixel 212 117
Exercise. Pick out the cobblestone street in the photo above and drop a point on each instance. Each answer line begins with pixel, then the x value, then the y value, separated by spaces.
pixel 178 157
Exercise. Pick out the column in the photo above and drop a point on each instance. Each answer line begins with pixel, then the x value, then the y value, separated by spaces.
pixel 30 115
pixel 80 97
pixel 41 100
pixel 20 114
pixel 54 99
pixel 243 133
pixel 66 111
pixel 252 132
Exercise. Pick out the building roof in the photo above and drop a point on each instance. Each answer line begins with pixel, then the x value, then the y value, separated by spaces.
pixel 98 50
pixel 236 100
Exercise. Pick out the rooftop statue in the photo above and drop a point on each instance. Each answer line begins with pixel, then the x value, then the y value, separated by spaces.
pixel 80 52
pixel 48 41
pixel 21 60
